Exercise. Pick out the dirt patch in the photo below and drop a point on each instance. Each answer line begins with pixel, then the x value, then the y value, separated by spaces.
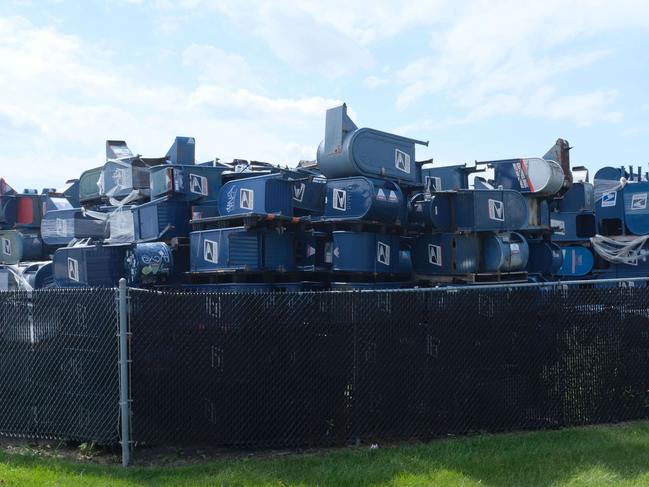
pixel 77 452
pixel 145 456
pixel 161 456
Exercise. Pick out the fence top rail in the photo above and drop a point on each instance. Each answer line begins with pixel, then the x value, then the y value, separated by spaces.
pixel 445 288
pixel 60 290
pixel 450 288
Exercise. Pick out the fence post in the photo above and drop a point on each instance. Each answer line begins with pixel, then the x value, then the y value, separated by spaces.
pixel 124 403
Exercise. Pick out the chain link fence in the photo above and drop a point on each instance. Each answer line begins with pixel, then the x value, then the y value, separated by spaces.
pixel 330 368
pixel 298 369
pixel 58 372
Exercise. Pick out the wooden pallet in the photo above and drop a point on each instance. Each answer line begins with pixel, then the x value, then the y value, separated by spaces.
pixel 331 224
pixel 477 278
pixel 248 220
pixel 243 276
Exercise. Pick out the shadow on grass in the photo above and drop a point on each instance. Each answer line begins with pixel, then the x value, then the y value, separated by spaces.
pixel 621 453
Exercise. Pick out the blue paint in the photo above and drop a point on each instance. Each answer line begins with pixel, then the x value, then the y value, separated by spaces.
pixel 504 252
pixel 204 210
pixel 120 178
pixel 147 264
pixel 470 210
pixel 44 276
pixel 572 226
pixel 580 197
pixel 260 195
pixel 349 151
pixel 431 211
pixel 405 262
pixel 636 208
pixel 186 183
pixel 545 258
pixel 59 227
pixel 577 261
pixel 70 191
pixel 489 210
pixel 308 196
pixel 313 250
pixel 20 245
pixel 609 207
pixel 182 151
pixel 241 249
pixel 445 254
pixel 7 211
pixel 455 254
pixel 609 173
pixel 90 265
pixel 446 178
pixel 529 176
pixel 368 199
pixel 161 219
pixel 640 269
pixel 365 252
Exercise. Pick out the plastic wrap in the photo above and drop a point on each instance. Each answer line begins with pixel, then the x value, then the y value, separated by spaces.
pixel 16 272
pixel 122 229
pixel 60 226
pixel 622 250
pixel 606 186
pixel 120 224
pixel 125 178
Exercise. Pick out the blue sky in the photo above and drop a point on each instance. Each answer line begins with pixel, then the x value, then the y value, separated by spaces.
pixel 252 79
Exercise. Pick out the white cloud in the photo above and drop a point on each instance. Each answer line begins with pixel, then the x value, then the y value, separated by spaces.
pixel 305 151
pixel 337 38
pixel 370 21
pixel 216 64
pixel 210 95
pixel 645 107
pixel 13 118
pixel 488 33
pixel 582 110
pixel 61 100
pixel 331 38
pixel 503 57
pixel 633 131
pixel 306 43
pixel 168 24
pixel 364 21
pixel 373 82
pixel 521 74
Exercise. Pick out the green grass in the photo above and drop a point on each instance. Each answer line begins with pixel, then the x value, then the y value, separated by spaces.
pixel 607 455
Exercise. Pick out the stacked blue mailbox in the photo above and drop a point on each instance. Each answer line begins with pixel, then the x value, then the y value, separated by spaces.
pixel 365 215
